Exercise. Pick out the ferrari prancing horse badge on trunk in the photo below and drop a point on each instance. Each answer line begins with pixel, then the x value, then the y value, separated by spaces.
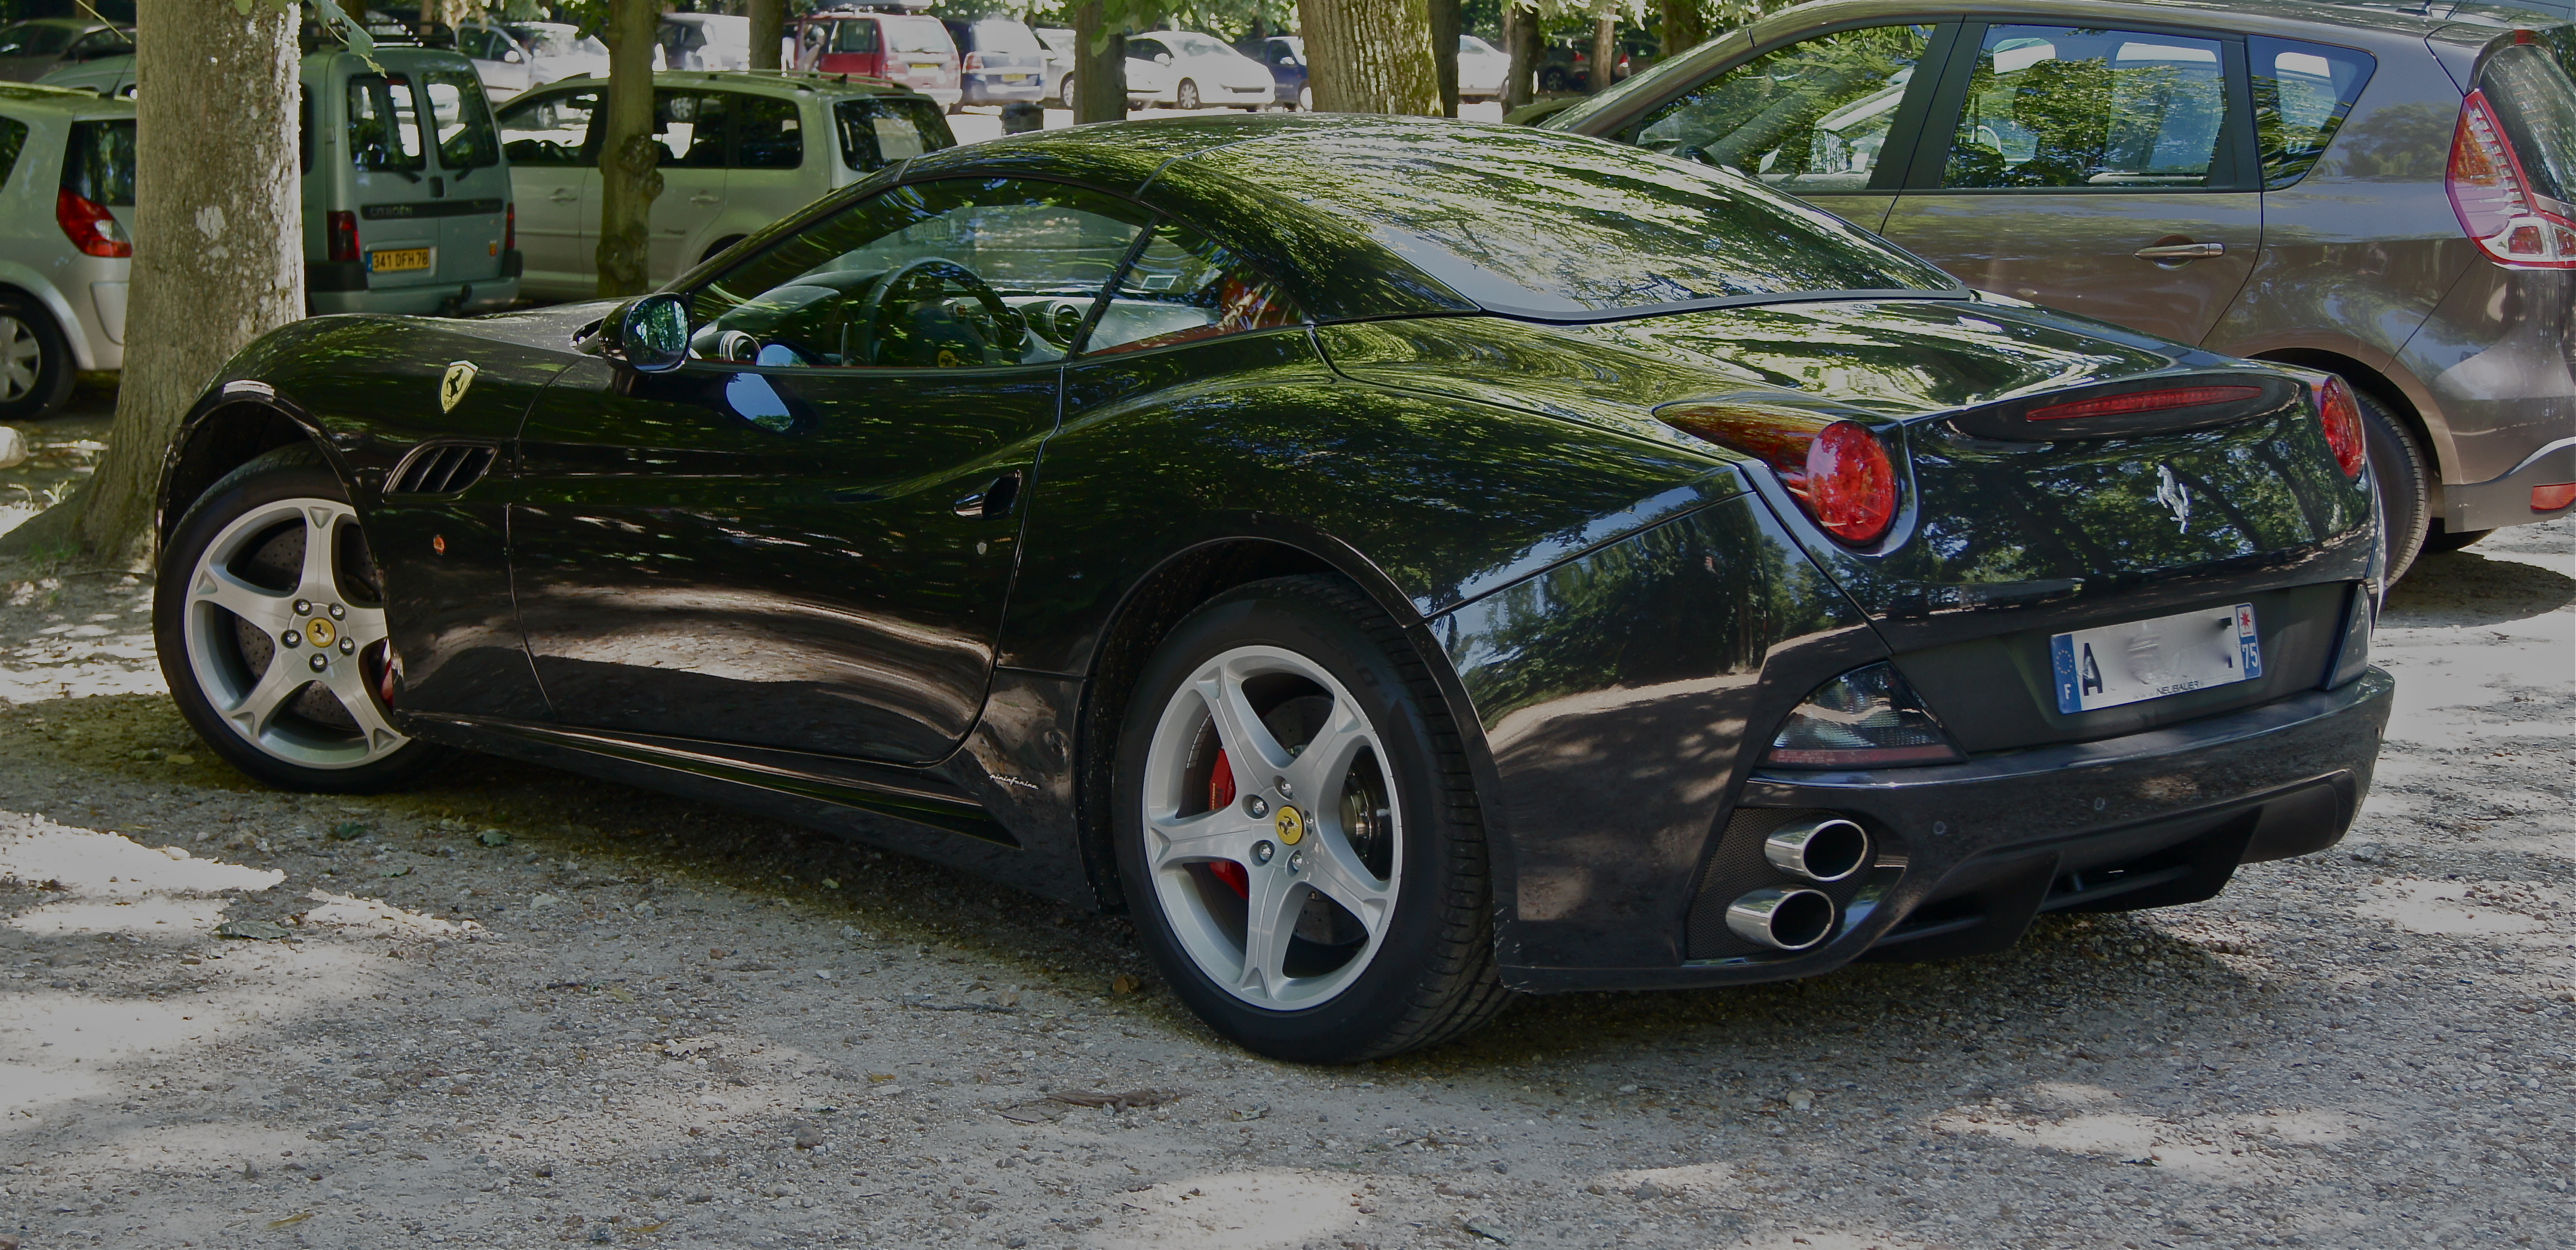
pixel 451 389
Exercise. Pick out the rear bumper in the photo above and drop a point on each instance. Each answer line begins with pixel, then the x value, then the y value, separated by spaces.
pixel 1971 852
pixel 455 297
pixel 983 88
pixel 2507 499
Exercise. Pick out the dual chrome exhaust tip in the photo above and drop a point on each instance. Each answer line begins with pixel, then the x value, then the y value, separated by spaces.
pixel 1823 851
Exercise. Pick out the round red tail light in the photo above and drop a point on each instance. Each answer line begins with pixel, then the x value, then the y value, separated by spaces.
pixel 2340 413
pixel 1851 484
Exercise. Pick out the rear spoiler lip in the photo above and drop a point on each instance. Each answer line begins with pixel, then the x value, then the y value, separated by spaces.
pixel 2005 421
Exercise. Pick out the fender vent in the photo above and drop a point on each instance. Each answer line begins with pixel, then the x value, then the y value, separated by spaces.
pixel 440 469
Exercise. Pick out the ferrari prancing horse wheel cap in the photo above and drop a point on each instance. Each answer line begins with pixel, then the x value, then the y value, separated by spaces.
pixel 1291 825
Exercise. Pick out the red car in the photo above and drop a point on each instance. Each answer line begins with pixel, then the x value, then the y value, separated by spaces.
pixel 907 48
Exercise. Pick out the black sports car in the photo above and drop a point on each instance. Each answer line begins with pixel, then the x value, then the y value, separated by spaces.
pixel 1399 562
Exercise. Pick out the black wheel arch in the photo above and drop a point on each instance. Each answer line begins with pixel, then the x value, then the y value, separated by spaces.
pixel 234 424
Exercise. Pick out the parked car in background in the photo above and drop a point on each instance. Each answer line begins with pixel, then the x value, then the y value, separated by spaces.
pixel 1482 67
pixel 900 47
pixel 1285 57
pixel 31 49
pixel 703 41
pixel 1146 81
pixel 2394 210
pixel 66 212
pixel 515 56
pixel 1203 71
pixel 739 151
pixel 406 194
pixel 1000 61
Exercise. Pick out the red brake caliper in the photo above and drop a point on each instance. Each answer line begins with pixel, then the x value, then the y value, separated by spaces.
pixel 1220 797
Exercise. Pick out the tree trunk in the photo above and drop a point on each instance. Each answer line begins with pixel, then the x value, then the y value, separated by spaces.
pixel 1605 52
pixel 1685 26
pixel 1444 52
pixel 1099 65
pixel 1370 56
pixel 1520 43
pixel 628 179
pixel 218 253
pixel 769 25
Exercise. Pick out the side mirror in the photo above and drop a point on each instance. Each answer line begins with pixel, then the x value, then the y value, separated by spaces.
pixel 512 57
pixel 652 334
pixel 1162 58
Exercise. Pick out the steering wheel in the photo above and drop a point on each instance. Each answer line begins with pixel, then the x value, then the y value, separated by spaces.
pixel 880 305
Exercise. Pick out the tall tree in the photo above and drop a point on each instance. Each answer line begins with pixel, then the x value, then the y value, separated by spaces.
pixel 769 25
pixel 1685 25
pixel 1444 52
pixel 628 156
pixel 1605 48
pixel 218 248
pixel 1520 44
pixel 1370 56
pixel 1100 60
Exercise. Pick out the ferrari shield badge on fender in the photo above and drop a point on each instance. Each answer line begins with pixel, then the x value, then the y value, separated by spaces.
pixel 451 389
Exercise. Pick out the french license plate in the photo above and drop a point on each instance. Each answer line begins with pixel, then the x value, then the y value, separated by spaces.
pixel 400 259
pixel 2140 660
pixel 919 68
pixel 1019 78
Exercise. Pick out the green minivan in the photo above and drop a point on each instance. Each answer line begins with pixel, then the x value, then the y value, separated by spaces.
pixel 406 191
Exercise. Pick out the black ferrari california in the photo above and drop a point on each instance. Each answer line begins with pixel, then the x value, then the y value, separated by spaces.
pixel 1399 563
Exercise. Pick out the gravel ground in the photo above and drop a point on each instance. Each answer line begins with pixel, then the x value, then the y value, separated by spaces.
pixel 516 1007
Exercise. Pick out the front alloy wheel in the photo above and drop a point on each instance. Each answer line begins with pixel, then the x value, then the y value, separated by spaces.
pixel 1297 833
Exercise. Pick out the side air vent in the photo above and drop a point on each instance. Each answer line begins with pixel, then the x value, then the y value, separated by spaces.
pixel 440 469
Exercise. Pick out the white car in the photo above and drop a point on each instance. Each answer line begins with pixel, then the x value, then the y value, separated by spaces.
pixel 66 204
pixel 703 41
pixel 1482 67
pixel 1203 72
pixel 513 57
pixel 739 150
pixel 1146 81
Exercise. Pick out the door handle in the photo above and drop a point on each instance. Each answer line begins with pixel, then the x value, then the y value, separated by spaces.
pixel 563 195
pixel 704 198
pixel 2165 253
pixel 995 500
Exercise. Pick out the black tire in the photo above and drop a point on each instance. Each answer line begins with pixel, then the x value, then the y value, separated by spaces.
pixel 2404 480
pixel 313 712
pixel 1431 976
pixel 1552 79
pixel 2439 537
pixel 1186 96
pixel 36 363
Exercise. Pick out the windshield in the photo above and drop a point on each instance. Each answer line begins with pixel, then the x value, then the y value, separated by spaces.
pixel 1197 45
pixel 918 34
pixel 1590 228
pixel 1651 82
pixel 558 41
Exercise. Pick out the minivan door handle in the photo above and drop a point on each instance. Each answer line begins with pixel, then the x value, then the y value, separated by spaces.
pixel 563 195
pixel 2165 253
pixel 703 197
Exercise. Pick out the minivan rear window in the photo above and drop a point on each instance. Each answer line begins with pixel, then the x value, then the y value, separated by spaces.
pixel 918 34
pixel 98 162
pixel 877 133
pixel 384 124
pixel 858 36
pixel 2535 100
pixel 2302 93
pixel 1003 37
pixel 463 118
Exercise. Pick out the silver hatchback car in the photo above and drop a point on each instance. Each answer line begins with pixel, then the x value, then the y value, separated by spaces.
pixel 2387 194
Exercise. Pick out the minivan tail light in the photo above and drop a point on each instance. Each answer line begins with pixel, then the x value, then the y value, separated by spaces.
pixel 510 227
pixel 1838 471
pixel 90 227
pixel 2492 196
pixel 974 60
pixel 340 226
pixel 2340 414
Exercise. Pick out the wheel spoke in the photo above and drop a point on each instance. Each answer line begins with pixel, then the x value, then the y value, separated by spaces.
pixel 1319 767
pixel 366 626
pixel 347 681
pixel 256 709
pixel 1239 728
pixel 320 581
pixel 1269 920
pixel 1335 872
pixel 267 611
pixel 1222 834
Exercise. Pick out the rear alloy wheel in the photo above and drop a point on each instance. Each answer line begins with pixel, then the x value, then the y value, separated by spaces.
pixel 1298 837
pixel 1064 89
pixel 35 361
pixel 1186 97
pixel 271 626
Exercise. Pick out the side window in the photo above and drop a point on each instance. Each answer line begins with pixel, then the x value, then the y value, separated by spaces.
pixel 1808 118
pixel 13 140
pixel 877 133
pixel 461 117
pixel 2055 106
pixel 98 162
pixel 2302 93
pixel 855 36
pixel 768 132
pixel 691 126
pixel 957 273
pixel 550 130
pixel 384 124
pixel 1183 288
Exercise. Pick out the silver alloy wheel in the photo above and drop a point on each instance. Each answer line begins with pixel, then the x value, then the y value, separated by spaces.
pixel 1288 831
pixel 281 702
pixel 22 358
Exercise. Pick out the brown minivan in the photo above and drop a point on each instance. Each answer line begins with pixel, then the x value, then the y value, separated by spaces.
pixel 2389 195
